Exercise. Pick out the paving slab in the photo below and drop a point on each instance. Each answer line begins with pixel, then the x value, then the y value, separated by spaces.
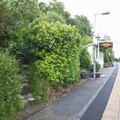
pixel 76 102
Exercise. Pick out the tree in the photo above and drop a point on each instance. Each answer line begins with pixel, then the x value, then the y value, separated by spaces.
pixel 43 7
pixel 3 18
pixel 24 11
pixel 83 25
pixel 19 14
pixel 5 23
pixel 51 17
pixel 55 7
pixel 106 38
pixel 108 52
pixel 108 57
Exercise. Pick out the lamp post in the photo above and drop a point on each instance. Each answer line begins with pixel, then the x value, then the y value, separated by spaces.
pixel 105 13
pixel 94 48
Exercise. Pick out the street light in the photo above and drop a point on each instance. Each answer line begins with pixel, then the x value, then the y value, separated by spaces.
pixel 105 13
pixel 94 48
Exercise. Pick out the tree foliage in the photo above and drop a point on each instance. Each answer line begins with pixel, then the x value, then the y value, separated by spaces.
pixel 55 48
pixel 51 17
pixel 108 57
pixel 59 8
pixel 5 23
pixel 56 10
pixel 106 38
pixel 3 18
pixel 85 60
pixel 19 14
pixel 83 25
pixel 53 39
pixel 10 86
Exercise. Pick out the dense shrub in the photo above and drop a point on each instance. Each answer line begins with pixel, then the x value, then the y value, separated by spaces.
pixel 38 86
pixel 108 57
pixel 98 66
pixel 85 60
pixel 55 38
pixel 55 51
pixel 10 86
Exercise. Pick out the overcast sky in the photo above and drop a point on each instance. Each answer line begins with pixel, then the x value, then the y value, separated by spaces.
pixel 105 24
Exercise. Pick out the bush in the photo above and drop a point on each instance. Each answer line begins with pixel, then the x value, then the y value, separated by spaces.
pixel 55 48
pixel 10 86
pixel 85 60
pixel 58 40
pixel 38 86
pixel 98 66
pixel 55 38
pixel 108 58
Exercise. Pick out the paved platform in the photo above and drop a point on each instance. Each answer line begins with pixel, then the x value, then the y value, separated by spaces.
pixel 112 111
pixel 75 103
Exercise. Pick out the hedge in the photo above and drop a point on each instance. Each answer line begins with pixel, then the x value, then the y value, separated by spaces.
pixel 10 86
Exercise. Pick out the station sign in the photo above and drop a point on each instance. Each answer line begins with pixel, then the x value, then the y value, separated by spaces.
pixel 106 44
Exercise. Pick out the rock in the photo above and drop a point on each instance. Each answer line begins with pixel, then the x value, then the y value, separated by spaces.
pixel 24 102
pixel 25 84
pixel 26 66
pixel 31 99
pixel 29 95
pixel 22 97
